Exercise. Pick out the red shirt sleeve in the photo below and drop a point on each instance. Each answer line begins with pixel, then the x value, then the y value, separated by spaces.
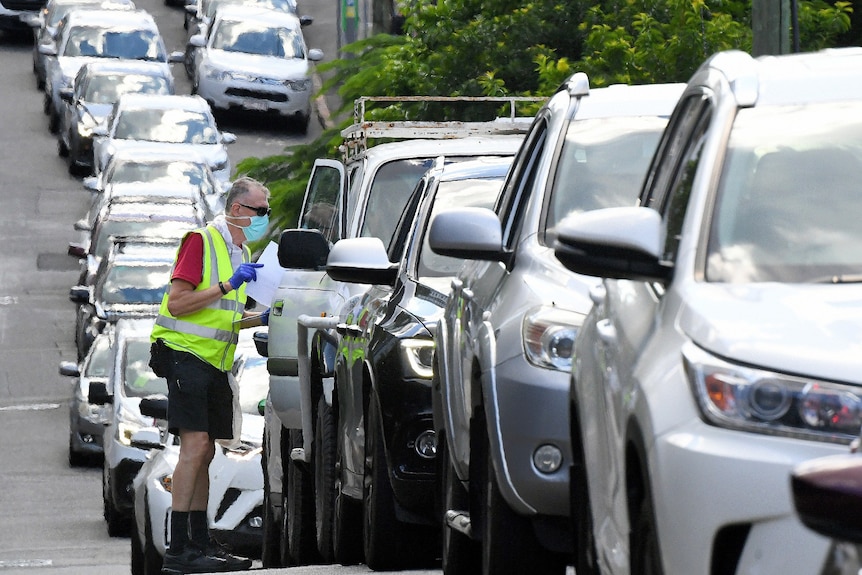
pixel 190 260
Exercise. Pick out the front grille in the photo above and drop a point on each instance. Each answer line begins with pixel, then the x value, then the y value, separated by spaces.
pixel 256 94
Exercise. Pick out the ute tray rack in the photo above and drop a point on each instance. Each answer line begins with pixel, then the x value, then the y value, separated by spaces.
pixel 356 135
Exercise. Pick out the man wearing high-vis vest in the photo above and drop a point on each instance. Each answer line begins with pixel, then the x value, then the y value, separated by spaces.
pixel 195 336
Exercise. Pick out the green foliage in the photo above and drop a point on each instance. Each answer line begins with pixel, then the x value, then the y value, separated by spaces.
pixel 509 47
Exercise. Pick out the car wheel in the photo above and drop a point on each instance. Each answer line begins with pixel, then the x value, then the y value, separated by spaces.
pixel 346 514
pixel 324 472
pixel 461 554
pixel 645 554
pixel 269 552
pixel 299 545
pixel 582 519
pixel 118 523
pixel 152 559
pixel 46 101
pixel 300 123
pixel 53 120
pixel 62 148
pixel 76 459
pixel 137 562
pixel 509 545
pixel 388 543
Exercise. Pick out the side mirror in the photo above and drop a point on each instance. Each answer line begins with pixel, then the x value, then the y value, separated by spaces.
pixel 66 94
pixel 79 294
pixel 305 20
pixel 92 183
pixel 302 249
pixel 228 138
pixel 467 233
pixel 77 251
pixel 70 368
pixel 100 131
pixel 315 54
pixel 261 343
pixel 176 56
pixel 155 406
pixel 827 494
pixel 198 41
pixel 98 393
pixel 83 225
pixel 362 261
pixel 147 438
pixel 47 49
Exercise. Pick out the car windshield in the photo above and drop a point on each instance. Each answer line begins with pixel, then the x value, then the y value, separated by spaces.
pixel 138 228
pixel 480 193
pixel 169 172
pixel 114 43
pixel 250 38
pixel 134 284
pixel 788 205
pixel 138 379
pixel 107 88
pixel 390 190
pixel 601 164
pixel 170 125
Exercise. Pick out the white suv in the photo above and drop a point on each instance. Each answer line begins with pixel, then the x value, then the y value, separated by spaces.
pixel 723 347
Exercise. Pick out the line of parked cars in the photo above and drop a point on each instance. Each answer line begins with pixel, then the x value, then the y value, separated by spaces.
pixel 637 348
pixel 156 165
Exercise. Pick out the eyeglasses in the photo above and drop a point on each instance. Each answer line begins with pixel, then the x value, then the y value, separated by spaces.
pixel 261 211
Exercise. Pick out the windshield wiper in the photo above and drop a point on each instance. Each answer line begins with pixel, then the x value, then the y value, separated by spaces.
pixel 839 279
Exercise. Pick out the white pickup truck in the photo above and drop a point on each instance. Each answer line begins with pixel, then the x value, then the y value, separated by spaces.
pixel 362 194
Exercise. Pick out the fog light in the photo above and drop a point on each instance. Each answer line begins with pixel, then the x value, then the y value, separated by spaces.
pixel 87 438
pixel 256 522
pixel 426 444
pixel 547 458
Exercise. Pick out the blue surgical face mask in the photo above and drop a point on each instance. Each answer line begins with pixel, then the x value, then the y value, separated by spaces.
pixel 256 229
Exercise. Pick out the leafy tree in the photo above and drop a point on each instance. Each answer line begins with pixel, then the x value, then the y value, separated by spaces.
pixel 509 47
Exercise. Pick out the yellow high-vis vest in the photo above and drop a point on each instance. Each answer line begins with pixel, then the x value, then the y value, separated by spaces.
pixel 208 333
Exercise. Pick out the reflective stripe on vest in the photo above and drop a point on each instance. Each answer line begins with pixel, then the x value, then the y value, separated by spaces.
pixel 208 333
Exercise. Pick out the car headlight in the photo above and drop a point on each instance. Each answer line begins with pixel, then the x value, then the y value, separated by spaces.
pixel 420 356
pixel 763 401
pixel 299 85
pixel 549 337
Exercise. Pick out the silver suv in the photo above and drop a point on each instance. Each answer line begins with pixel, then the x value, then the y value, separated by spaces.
pixel 722 348
pixel 505 338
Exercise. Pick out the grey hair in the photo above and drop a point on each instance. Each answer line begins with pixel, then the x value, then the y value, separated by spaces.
pixel 240 188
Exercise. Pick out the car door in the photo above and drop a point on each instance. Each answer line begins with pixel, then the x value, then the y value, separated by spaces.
pixel 627 322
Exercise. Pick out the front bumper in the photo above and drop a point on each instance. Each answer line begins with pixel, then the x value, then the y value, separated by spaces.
pixel 708 480
pixel 527 409
pixel 255 97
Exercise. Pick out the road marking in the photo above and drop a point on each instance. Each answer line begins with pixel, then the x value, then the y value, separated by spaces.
pixel 26 563
pixel 31 407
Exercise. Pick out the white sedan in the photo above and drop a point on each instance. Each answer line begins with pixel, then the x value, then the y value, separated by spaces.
pixel 144 122
pixel 255 59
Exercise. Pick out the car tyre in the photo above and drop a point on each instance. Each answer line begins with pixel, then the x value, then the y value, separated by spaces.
pixel 299 545
pixel 388 543
pixel 324 479
pixel 579 496
pixel 509 545
pixel 76 459
pixel 153 561
pixel 346 516
pixel 53 120
pixel 645 553
pixel 271 534
pixel 118 523
pixel 62 148
pixel 137 558
pixel 461 554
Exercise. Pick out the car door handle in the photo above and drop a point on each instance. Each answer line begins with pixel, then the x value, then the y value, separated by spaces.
pixel 606 331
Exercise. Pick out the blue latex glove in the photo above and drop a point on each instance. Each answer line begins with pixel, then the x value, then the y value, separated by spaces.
pixel 244 273
pixel 264 318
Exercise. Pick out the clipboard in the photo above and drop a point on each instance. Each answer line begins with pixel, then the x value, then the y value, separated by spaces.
pixel 249 321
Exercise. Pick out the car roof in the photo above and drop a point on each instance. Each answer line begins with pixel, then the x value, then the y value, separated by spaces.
pixel 134 327
pixel 140 211
pixel 468 146
pixel 164 102
pixel 156 154
pixel 630 100
pixel 484 167
pixel 112 18
pixel 265 17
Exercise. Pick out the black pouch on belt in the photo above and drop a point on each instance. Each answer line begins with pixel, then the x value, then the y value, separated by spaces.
pixel 160 358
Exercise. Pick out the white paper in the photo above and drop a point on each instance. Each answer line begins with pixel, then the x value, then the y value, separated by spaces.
pixel 268 277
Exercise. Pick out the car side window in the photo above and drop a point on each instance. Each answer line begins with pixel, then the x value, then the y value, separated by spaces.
pixel 675 166
pixel 519 184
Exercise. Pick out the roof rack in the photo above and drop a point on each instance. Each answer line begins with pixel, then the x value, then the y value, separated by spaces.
pixel 356 136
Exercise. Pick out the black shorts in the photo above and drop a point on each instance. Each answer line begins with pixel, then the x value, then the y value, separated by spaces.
pixel 199 397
